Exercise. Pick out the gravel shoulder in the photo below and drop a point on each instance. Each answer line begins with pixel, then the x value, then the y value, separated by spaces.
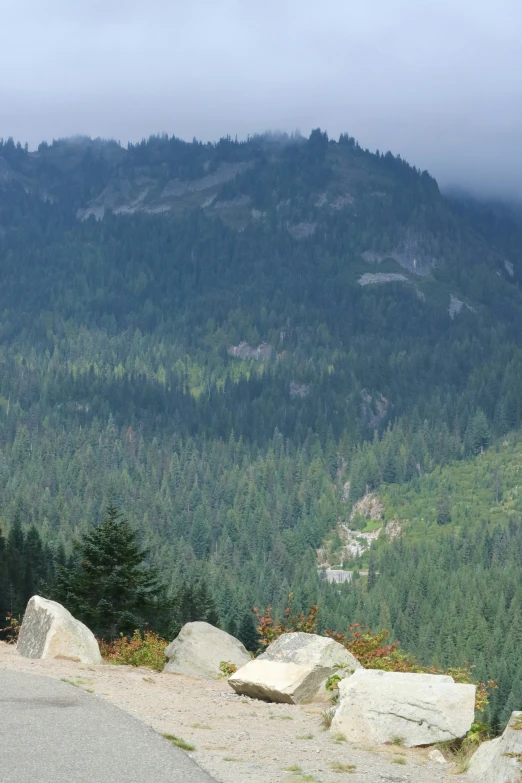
pixel 236 739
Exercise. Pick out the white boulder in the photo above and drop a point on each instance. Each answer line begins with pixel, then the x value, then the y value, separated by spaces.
pixel 499 761
pixel 200 648
pixel 50 631
pixel 294 669
pixel 436 756
pixel 419 709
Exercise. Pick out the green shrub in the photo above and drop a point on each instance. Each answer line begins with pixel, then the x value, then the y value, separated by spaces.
pixel 147 649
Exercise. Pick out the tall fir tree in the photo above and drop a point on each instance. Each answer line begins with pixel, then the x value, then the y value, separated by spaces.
pixel 112 589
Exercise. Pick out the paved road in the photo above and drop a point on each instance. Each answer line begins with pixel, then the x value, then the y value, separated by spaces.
pixel 52 732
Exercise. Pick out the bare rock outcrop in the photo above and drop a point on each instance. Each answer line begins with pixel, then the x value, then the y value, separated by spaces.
pixel 302 230
pixel 50 631
pixel 294 669
pixel 245 351
pixel 409 254
pixel 382 277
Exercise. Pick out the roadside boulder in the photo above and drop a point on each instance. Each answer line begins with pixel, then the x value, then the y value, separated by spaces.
pixel 415 709
pixel 499 761
pixel 294 669
pixel 50 631
pixel 200 648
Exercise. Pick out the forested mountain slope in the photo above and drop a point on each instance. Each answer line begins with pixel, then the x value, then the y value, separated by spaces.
pixel 451 586
pixel 234 341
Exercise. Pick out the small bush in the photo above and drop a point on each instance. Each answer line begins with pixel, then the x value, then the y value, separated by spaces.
pixel 12 629
pixel 227 669
pixel 268 630
pixel 147 649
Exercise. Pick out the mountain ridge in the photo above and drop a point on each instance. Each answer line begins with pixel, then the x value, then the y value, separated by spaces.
pixel 135 363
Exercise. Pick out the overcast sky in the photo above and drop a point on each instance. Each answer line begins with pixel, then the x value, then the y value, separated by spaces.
pixel 438 81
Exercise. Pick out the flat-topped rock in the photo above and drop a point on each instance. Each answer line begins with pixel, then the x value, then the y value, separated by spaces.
pixel 499 761
pixel 50 631
pixel 294 669
pixel 200 648
pixel 420 709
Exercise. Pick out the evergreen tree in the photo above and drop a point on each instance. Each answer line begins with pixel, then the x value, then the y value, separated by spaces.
pixel 444 508
pixel 194 602
pixel 112 589
pixel 247 632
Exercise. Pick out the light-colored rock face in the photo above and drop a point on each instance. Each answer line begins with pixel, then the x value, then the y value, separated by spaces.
pixel 500 761
pixel 420 709
pixel 294 669
pixel 199 649
pixel 50 631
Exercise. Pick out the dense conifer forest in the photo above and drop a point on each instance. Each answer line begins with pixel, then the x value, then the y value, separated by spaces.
pixel 235 342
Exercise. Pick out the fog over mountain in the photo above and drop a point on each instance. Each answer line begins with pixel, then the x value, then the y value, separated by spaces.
pixel 437 81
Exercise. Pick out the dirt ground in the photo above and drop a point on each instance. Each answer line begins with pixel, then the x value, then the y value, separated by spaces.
pixel 238 740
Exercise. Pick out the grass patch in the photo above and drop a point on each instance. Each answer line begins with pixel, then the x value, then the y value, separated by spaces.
pixel 293 768
pixel 458 753
pixel 178 742
pixel 200 726
pixel 399 760
pixel 305 736
pixel 327 718
pixel 78 683
pixel 229 758
pixel 461 759
pixel 280 717
pixel 397 741
pixel 338 738
pixel 338 767
pixel 70 682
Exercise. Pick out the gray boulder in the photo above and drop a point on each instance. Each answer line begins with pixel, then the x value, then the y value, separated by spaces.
pixel 294 669
pixel 500 761
pixel 420 709
pixel 50 631
pixel 199 649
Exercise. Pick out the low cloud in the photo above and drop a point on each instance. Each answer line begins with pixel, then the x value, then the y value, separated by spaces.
pixel 438 81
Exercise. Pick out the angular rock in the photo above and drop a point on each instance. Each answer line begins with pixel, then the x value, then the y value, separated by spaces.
pixel 199 649
pixel 50 631
pixel 499 761
pixel 436 756
pixel 420 709
pixel 294 669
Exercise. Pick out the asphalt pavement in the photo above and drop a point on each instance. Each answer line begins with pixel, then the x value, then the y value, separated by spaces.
pixel 53 732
